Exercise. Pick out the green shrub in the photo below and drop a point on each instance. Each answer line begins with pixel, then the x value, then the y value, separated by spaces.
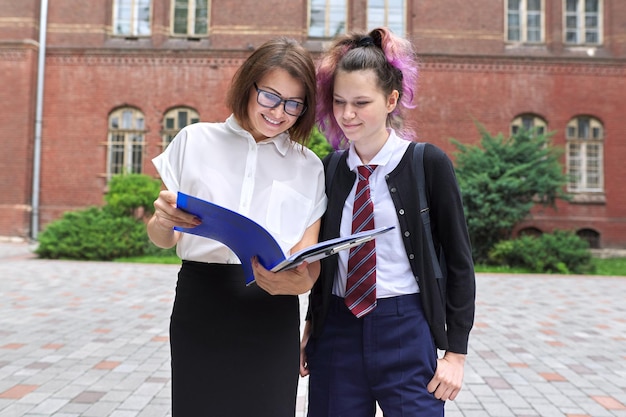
pixel 153 250
pixel 559 252
pixel 318 144
pixel 93 234
pixel 113 231
pixel 501 179
pixel 130 192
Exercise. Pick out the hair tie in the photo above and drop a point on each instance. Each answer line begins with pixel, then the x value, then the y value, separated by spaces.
pixel 365 41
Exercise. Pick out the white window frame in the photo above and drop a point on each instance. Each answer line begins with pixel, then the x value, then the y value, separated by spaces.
pixel 524 16
pixel 174 120
pixel 585 155
pixel 333 14
pixel 529 121
pixel 191 18
pixel 126 142
pixel 581 17
pixel 139 20
pixel 385 17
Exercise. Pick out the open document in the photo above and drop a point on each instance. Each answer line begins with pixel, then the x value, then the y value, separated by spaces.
pixel 247 239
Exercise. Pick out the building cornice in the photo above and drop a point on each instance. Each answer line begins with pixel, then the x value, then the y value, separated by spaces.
pixel 540 65
pixel 17 50
pixel 211 59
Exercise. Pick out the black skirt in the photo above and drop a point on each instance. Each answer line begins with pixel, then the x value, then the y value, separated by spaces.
pixel 235 349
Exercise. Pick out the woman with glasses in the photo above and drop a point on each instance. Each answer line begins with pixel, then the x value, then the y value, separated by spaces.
pixel 235 348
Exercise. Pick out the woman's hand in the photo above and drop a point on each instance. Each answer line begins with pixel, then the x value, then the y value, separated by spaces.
pixel 293 281
pixel 306 333
pixel 166 216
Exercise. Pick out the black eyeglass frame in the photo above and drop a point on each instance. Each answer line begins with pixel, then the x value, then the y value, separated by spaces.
pixel 280 100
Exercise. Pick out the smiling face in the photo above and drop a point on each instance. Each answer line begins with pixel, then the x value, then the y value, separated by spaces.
pixel 361 108
pixel 265 122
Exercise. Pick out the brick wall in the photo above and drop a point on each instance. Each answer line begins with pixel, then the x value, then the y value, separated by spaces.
pixel 18 63
pixel 455 93
pixel 468 74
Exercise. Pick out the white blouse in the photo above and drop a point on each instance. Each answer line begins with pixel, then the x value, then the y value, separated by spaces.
pixel 276 182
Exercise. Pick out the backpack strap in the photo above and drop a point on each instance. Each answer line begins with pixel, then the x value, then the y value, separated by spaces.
pixel 420 179
pixel 332 167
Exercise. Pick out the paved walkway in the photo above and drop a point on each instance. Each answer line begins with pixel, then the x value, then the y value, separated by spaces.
pixel 91 339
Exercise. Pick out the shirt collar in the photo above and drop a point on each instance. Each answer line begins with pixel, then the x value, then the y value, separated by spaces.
pixel 381 158
pixel 282 141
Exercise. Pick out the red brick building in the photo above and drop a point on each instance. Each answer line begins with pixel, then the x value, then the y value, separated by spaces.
pixel 120 77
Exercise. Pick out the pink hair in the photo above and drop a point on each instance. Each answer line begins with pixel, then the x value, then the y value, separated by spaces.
pixel 400 56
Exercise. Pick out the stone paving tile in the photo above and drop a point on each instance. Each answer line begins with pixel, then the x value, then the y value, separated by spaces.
pixel 90 339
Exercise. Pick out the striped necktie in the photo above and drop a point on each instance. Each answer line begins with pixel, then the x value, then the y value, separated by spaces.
pixel 361 281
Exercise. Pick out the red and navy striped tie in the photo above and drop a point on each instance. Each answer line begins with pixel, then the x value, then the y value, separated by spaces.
pixel 361 281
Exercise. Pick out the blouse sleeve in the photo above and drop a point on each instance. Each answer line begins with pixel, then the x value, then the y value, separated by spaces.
pixel 321 201
pixel 169 163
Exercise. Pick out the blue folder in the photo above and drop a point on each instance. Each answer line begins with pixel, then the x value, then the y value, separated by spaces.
pixel 247 239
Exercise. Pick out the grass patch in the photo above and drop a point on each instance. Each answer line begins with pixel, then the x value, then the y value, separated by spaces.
pixel 610 266
pixel 604 267
pixel 152 259
pixel 503 269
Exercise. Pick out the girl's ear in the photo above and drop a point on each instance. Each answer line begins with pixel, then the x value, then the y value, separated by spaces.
pixel 392 101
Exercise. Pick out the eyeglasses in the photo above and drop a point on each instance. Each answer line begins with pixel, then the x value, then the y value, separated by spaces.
pixel 271 101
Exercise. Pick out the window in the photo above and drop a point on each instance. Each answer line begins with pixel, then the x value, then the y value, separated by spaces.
pixel 389 13
pixel 524 19
pixel 582 22
pixel 585 137
pixel 591 236
pixel 190 17
pixel 131 17
pixel 327 18
pixel 529 122
pixel 126 141
pixel 175 120
pixel 530 231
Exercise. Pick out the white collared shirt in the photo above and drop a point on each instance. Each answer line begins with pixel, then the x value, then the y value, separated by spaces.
pixel 393 271
pixel 275 182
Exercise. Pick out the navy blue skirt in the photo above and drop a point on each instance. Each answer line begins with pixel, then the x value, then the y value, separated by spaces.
pixel 235 349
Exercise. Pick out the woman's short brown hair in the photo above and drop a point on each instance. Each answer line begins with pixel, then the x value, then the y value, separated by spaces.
pixel 289 55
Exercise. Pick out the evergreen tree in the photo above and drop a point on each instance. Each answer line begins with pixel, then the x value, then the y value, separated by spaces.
pixel 502 178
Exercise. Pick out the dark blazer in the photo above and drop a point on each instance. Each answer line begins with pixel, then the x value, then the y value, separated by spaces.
pixel 448 303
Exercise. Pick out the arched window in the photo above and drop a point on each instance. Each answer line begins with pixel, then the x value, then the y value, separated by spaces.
pixel 585 166
pixel 591 236
pixel 125 142
pixel 174 120
pixel 530 231
pixel 529 122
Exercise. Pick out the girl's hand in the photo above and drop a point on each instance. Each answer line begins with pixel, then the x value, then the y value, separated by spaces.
pixel 448 378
